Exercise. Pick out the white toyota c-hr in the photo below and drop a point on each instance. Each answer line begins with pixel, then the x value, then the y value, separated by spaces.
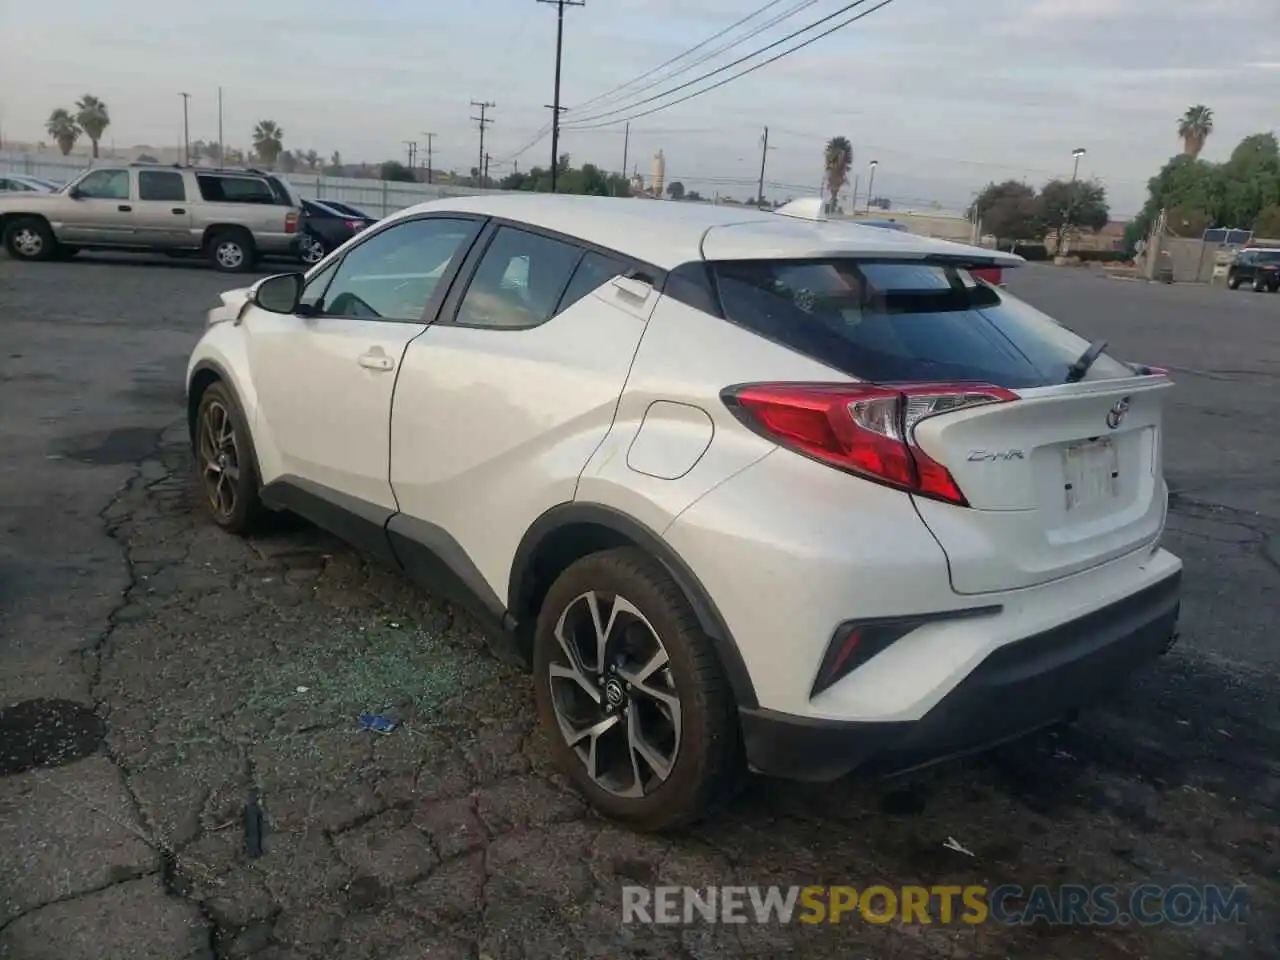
pixel 742 490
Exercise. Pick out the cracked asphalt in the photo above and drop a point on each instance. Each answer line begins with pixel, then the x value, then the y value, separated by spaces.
pixel 182 673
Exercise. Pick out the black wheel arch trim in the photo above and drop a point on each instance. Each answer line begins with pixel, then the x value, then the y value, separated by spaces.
pixel 522 582
pixel 193 409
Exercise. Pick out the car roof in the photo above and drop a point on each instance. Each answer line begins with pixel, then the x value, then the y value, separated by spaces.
pixel 667 233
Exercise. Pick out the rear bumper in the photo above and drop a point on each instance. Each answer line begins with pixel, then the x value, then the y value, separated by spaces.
pixel 1020 687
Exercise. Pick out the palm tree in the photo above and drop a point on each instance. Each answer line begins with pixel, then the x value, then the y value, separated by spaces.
pixel 92 115
pixel 312 158
pixel 268 141
pixel 1194 128
pixel 837 159
pixel 63 129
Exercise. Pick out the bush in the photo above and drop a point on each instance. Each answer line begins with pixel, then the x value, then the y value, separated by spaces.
pixel 1030 252
pixel 1101 256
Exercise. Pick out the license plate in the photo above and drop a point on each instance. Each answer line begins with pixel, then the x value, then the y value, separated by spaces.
pixel 1091 473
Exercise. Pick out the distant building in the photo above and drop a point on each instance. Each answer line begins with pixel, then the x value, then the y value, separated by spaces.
pixel 659 174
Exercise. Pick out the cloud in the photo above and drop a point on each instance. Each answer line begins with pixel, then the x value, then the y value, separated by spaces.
pixel 949 93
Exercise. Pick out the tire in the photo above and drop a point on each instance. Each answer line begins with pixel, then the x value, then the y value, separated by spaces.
pixel 1258 285
pixel 231 251
pixel 312 250
pixel 29 238
pixel 1233 282
pixel 226 472
pixel 704 762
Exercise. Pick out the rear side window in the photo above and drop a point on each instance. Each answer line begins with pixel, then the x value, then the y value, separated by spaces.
pixel 1269 257
pixel 518 282
pixel 235 190
pixel 594 270
pixel 902 322
pixel 161 185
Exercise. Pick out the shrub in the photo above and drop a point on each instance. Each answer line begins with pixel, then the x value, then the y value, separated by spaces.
pixel 1030 252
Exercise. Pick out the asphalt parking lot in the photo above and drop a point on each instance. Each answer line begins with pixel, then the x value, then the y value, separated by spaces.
pixel 180 672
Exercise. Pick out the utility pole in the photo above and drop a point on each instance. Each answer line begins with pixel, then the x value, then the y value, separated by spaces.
pixel 430 137
pixel 871 185
pixel 484 122
pixel 764 152
pixel 413 147
pixel 626 145
pixel 484 178
pixel 222 147
pixel 555 107
pixel 186 130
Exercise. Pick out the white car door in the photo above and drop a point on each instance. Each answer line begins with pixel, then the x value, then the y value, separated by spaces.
pixel 324 378
pixel 502 402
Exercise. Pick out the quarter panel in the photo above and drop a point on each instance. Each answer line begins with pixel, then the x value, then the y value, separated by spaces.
pixel 686 359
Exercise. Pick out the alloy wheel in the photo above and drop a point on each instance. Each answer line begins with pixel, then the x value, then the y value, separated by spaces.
pixel 312 250
pixel 219 459
pixel 230 254
pixel 613 694
pixel 28 241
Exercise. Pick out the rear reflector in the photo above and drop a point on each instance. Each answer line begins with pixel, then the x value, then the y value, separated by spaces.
pixel 863 428
pixel 857 641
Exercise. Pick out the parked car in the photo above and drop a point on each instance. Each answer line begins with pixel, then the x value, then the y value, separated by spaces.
pixel 355 213
pixel 1259 266
pixel 742 491
pixel 21 183
pixel 232 217
pixel 324 229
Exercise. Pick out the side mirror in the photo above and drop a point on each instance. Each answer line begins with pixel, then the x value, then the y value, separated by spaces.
pixel 74 193
pixel 279 294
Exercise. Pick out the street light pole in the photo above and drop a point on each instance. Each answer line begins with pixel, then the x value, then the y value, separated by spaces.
pixel 186 130
pixel 871 185
pixel 222 147
pixel 1077 153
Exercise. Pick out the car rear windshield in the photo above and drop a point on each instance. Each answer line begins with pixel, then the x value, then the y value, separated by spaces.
pixel 902 322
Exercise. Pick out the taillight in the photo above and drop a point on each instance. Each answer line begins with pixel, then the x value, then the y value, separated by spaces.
pixel 291 222
pixel 355 226
pixel 992 275
pixel 866 429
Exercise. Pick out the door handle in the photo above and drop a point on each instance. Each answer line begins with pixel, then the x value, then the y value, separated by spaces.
pixel 376 361
pixel 124 208
pixel 177 210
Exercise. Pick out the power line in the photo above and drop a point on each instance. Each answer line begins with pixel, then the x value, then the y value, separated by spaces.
pixel 610 94
pixel 586 122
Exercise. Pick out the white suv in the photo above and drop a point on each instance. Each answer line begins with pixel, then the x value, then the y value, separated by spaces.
pixel 743 490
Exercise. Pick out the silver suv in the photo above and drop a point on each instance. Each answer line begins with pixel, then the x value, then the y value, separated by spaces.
pixel 232 217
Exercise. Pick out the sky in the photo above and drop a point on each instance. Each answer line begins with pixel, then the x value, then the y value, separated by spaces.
pixel 946 95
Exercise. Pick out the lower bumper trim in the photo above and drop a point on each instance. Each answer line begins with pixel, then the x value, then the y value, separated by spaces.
pixel 1021 687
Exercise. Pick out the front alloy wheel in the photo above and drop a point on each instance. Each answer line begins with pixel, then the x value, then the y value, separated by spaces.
pixel 613 694
pixel 631 694
pixel 224 462
pixel 219 460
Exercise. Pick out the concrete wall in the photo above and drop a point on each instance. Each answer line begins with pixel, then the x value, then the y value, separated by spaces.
pixel 937 225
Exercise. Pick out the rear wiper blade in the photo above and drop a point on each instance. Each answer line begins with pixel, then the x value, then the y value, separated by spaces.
pixel 1076 372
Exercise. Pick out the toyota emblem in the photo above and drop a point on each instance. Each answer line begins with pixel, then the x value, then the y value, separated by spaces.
pixel 1115 416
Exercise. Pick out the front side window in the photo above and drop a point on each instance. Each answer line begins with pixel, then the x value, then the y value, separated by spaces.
pixel 902 322
pixel 395 274
pixel 161 185
pixel 518 282
pixel 105 185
